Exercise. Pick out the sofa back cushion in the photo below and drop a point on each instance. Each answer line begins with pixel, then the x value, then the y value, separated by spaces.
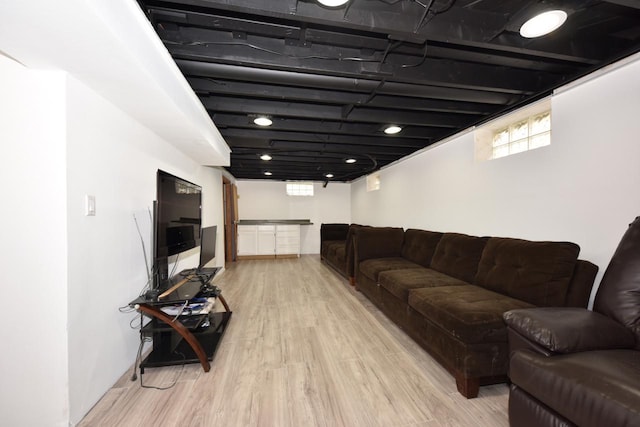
pixel 536 272
pixel 458 255
pixel 378 242
pixel 420 245
pixel 333 231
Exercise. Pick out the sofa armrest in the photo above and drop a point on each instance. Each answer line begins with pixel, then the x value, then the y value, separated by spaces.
pixel 568 329
pixel 350 250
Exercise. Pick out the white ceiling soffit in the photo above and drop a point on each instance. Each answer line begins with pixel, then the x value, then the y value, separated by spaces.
pixel 109 45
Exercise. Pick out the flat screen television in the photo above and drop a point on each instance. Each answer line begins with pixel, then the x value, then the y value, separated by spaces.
pixel 177 220
pixel 207 245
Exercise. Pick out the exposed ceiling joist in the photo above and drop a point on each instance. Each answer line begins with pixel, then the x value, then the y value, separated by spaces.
pixel 320 81
pixel 331 79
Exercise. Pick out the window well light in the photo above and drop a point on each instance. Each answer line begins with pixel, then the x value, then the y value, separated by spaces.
pixel 329 175
pixel 392 129
pixel 332 3
pixel 544 23
pixel 266 157
pixel 350 161
pixel 263 121
pixel 267 173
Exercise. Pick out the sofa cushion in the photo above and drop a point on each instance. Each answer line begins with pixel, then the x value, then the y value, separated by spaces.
pixel 333 231
pixel 378 242
pixel 458 255
pixel 372 267
pixel 470 313
pixel 399 282
pixel 329 247
pixel 420 245
pixel 594 388
pixel 340 255
pixel 536 272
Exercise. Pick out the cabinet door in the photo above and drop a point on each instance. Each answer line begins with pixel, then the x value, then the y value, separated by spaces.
pixel 288 240
pixel 266 240
pixel 247 240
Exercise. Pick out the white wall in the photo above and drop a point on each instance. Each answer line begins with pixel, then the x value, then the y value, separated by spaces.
pixel 269 200
pixel 115 159
pixel 69 273
pixel 33 362
pixel 583 188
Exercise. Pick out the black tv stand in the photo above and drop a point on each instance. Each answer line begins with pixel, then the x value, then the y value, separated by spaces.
pixel 185 338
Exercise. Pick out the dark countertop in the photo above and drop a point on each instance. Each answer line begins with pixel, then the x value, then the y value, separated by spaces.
pixel 274 221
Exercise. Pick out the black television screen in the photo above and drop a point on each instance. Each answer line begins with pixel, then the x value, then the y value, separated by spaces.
pixel 207 245
pixel 178 215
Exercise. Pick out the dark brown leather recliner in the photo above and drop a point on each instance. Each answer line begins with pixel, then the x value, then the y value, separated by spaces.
pixel 575 367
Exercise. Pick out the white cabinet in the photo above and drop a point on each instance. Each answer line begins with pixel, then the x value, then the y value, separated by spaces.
pixel 268 240
pixel 288 239
pixel 247 240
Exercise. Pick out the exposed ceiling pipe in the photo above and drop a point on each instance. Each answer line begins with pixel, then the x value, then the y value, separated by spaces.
pixel 234 72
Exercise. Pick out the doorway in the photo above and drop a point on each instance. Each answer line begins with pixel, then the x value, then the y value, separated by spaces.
pixel 230 194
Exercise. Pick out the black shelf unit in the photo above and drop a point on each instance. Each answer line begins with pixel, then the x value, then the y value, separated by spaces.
pixel 169 348
pixel 189 338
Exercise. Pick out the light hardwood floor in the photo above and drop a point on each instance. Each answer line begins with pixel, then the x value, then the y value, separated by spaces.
pixel 302 349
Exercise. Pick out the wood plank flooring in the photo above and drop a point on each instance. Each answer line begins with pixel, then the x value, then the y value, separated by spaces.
pixel 302 349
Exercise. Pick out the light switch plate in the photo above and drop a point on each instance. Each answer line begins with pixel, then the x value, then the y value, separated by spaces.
pixel 89 205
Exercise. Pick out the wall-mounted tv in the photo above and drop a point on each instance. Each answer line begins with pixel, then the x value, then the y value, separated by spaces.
pixel 178 215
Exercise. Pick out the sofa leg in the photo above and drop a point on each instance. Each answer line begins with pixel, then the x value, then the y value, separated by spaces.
pixel 468 387
pixel 352 281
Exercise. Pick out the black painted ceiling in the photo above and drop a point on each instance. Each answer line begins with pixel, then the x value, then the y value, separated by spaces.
pixel 330 79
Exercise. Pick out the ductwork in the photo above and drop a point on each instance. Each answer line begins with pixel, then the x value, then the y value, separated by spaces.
pixel 233 72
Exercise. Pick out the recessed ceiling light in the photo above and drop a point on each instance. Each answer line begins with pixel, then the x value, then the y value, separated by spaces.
pixel 266 157
pixel 263 121
pixel 543 23
pixel 350 161
pixel 329 175
pixel 392 129
pixel 332 3
pixel 268 173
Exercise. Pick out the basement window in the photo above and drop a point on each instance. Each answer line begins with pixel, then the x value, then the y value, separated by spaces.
pixel 533 132
pixel 299 189
pixel 373 181
pixel 526 129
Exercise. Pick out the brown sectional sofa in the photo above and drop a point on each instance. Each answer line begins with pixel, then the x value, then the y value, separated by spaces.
pixel 337 247
pixel 449 291
pixel 333 240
